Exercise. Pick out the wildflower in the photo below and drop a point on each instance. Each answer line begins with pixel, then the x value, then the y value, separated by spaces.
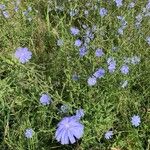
pixel 74 31
pixel 99 52
pixel 64 108
pixel 94 27
pixel 127 60
pixel 124 84
pixel 118 3
pixel 139 17
pixel 60 42
pixel 86 40
pixel 91 81
pixel 123 24
pixel 114 48
pixel 108 135
pixel 135 120
pixel 79 113
pixel 135 60
pixel 68 130
pixel 73 12
pixel 112 67
pixel 78 43
pixel 89 33
pixel 2 7
pixel 23 54
pixel 111 64
pixel 131 5
pixel 99 73
pixel 83 51
pixel 124 69
pixel 103 12
pixel 120 31
pixel 16 9
pixel 29 8
pixel 6 14
pixel 84 26
pixel 25 13
pixel 86 12
pixel 75 77
pixel 148 40
pixel 45 99
pixel 29 133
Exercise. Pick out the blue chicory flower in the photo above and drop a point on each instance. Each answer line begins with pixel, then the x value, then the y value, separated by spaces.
pixel 29 133
pixel 82 51
pixel 131 5
pixel 91 81
pixel 124 69
pixel 148 40
pixel 73 12
pixel 68 130
pixel 99 73
pixel 99 52
pixel 45 99
pixel 75 77
pixel 74 31
pixel 120 31
pixel 64 108
pixel 23 54
pixel 60 42
pixel 111 64
pixel 124 84
pixel 78 43
pixel 103 12
pixel 108 135
pixel 127 60
pixel 118 3
pixel 135 60
pixel 6 14
pixel 2 7
pixel 86 13
pixel 136 120
pixel 79 113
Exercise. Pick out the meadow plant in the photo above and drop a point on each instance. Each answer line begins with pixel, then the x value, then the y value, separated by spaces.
pixel 74 75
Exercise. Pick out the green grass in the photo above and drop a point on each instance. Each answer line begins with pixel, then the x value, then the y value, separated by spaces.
pixel 106 105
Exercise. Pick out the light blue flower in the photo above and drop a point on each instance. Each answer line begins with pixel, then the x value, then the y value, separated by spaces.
pixel 82 51
pixel 118 3
pixel 60 42
pixel 99 73
pixel 23 54
pixel 74 31
pixel 136 120
pixel 99 52
pixel 69 130
pixel 108 135
pixel 29 133
pixel 124 69
pixel 78 43
pixel 103 12
pixel 148 40
pixel 111 64
pixel 64 108
pixel 6 14
pixel 79 113
pixel 124 84
pixel 45 99
pixel 135 60
pixel 91 81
